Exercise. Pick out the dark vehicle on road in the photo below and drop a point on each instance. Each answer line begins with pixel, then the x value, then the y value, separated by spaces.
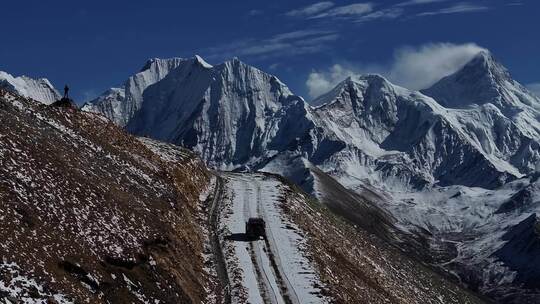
pixel 255 228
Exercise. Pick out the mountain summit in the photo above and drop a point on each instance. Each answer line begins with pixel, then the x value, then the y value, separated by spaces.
pixel 120 104
pixel 482 80
pixel 38 89
pixel 231 113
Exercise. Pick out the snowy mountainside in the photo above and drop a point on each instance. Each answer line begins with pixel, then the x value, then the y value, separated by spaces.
pixel 237 116
pixel 471 161
pixel 38 89
pixel 471 232
pixel 405 137
pixel 420 164
pixel 232 114
pixel 485 88
pixel 120 104
pixel 493 84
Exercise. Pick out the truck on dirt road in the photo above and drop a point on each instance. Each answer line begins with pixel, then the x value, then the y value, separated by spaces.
pixel 255 228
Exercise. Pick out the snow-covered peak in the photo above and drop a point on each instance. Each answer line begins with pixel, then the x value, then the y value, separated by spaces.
pixel 39 89
pixel 363 82
pixel 156 63
pixel 120 104
pixel 484 83
pixel 202 62
pixel 231 113
pixel 240 75
pixel 482 80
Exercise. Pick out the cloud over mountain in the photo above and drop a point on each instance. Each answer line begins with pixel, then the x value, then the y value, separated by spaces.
pixel 412 67
pixel 535 88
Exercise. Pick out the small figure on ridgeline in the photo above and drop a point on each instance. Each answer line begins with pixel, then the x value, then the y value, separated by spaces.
pixel 65 102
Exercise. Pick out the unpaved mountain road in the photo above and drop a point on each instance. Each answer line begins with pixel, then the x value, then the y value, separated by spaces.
pixel 271 270
pixel 276 284
pixel 221 266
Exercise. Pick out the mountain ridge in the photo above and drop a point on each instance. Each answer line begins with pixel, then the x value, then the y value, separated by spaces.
pixel 413 153
pixel 39 89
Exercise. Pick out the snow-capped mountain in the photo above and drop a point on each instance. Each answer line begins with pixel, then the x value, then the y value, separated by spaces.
pixel 38 89
pixel 93 214
pixel 120 104
pixel 232 114
pixel 475 158
pixel 482 80
pixel 403 137
pixel 441 162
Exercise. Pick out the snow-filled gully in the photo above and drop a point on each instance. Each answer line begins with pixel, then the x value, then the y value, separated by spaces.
pixel 271 270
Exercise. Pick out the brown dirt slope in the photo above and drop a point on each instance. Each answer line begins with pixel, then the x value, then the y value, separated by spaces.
pixel 355 266
pixel 89 213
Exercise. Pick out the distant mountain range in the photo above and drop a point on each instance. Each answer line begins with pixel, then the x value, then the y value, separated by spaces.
pixel 453 169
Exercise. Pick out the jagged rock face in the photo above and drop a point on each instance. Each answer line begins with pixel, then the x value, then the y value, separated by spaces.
pixel 482 80
pixel 498 113
pixel 120 104
pixel 403 135
pixel 38 89
pixel 232 114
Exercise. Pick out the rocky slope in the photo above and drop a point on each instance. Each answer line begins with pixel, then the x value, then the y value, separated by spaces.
pixel 38 89
pixel 91 214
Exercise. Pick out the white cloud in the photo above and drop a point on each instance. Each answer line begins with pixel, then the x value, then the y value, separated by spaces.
pixel 319 83
pixel 419 2
pixel 255 12
pixel 328 9
pixel 300 34
pixel 390 13
pixel 535 88
pixel 310 10
pixel 412 67
pixel 356 12
pixel 418 68
pixel 347 11
pixel 284 44
pixel 455 9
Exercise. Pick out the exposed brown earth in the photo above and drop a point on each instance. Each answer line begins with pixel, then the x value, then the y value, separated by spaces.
pixel 90 213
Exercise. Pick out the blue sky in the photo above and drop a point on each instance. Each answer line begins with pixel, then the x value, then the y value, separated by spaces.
pixel 310 45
